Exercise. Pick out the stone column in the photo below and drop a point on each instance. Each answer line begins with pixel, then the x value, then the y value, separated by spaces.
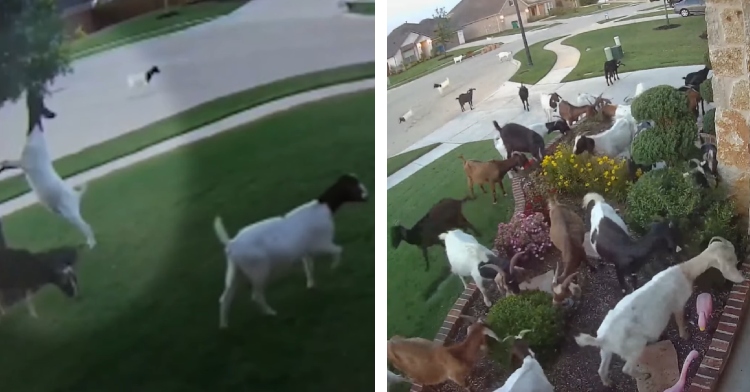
pixel 729 46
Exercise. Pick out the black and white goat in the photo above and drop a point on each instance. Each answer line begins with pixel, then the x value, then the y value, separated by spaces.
pixel 612 241
pixel 614 142
pixel 544 129
pixel 36 163
pixel 405 117
pixel 467 97
pixel 25 272
pixel 142 78
pixel 523 93
pixel 709 156
pixel 550 104
pixel 700 172
pixel 514 137
pixel 281 241
pixel 441 86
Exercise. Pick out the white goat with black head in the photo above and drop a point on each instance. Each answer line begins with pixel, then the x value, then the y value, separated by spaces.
pixel 467 256
pixel 530 376
pixel 281 241
pixel 36 163
pixel 640 317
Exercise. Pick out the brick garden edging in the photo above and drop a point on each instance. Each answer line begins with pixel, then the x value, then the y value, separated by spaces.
pixel 716 357
pixel 470 294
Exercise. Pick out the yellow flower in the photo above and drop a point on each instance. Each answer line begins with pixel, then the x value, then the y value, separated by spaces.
pixel 613 178
pixel 575 166
pixel 587 185
pixel 581 170
pixel 544 172
pixel 572 160
pixel 561 178
pixel 572 156
pixel 590 169
pixel 606 189
pixel 588 164
pixel 596 179
pixel 609 183
pixel 554 163
pixel 606 173
pixel 638 172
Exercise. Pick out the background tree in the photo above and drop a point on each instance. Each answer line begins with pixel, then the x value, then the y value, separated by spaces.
pixel 443 31
pixel 32 51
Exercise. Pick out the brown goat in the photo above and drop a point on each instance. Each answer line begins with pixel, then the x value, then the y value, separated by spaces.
pixel 572 113
pixel 566 232
pixel 609 110
pixel 491 172
pixel 694 99
pixel 600 102
pixel 428 363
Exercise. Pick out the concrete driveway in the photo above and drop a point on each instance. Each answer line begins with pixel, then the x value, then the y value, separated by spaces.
pixel 485 73
pixel 94 103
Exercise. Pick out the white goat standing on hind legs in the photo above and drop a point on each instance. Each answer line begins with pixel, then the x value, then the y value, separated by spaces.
pixel 639 319
pixel 36 163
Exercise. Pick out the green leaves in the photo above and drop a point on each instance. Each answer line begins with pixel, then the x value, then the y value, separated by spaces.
pixel 709 122
pixel 707 90
pixel 664 193
pixel 31 46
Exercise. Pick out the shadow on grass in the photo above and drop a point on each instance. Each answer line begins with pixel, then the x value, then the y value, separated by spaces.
pixel 147 318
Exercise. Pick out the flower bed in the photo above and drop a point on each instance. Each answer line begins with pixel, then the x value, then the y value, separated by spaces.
pixel 574 368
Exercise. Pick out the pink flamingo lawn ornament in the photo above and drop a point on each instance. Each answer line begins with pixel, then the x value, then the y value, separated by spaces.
pixel 704 305
pixel 680 385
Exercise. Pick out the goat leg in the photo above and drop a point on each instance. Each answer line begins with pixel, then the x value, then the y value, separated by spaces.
pixel 606 360
pixel 679 318
pixel 481 186
pixel 634 281
pixel 426 260
pixel 631 369
pixel 501 187
pixel 307 262
pixel 494 195
pixel 621 279
pixel 30 304
pixel 471 187
pixel 467 225
pixel 463 280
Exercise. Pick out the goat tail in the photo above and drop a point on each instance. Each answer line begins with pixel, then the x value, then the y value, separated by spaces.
pixel 497 126
pixel 221 232
pixel 587 340
pixel 592 196
pixel 461 157
pixel 81 189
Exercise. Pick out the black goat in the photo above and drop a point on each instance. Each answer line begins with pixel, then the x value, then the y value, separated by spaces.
pixel 445 215
pixel 557 125
pixel 523 93
pixel 611 239
pixel 466 97
pixel 517 138
pixel 695 79
pixel 610 70
pixel 22 273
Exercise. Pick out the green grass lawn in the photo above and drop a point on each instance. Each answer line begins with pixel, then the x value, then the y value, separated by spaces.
pixel 417 301
pixel 148 26
pixel 543 60
pixel 426 67
pixel 397 162
pixel 647 15
pixel 147 318
pixel 190 120
pixel 644 47
pixel 361 7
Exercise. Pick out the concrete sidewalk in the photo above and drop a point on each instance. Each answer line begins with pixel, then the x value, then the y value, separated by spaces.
pixel 207 131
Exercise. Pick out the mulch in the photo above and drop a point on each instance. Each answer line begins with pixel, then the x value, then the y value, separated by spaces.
pixel 575 368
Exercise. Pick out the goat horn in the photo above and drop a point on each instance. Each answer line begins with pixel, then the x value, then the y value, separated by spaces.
pixel 569 279
pixel 716 238
pixel 515 258
pixel 554 277
pixel 523 333
pixel 494 267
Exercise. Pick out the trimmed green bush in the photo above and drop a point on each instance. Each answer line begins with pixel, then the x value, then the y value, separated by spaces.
pixel 673 137
pixel 661 193
pixel 718 220
pixel 709 122
pixel 707 90
pixel 528 310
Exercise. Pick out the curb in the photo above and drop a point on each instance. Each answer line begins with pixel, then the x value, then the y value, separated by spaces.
pixel 722 341
pixel 451 323
pixel 226 124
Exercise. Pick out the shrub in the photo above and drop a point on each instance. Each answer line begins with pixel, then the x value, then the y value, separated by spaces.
pixel 575 175
pixel 709 122
pixel 529 310
pixel 673 138
pixel 664 193
pixel 707 90
pixel 523 233
pixel 717 220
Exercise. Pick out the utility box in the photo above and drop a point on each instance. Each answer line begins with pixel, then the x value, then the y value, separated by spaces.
pixel 617 52
pixel 608 53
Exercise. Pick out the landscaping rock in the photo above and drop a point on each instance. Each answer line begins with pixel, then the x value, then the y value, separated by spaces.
pixel 659 359
pixel 590 251
pixel 541 282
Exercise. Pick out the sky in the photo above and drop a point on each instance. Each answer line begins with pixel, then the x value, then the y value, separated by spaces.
pixel 400 11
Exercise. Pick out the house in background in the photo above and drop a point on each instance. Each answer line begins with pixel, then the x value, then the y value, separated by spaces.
pixel 412 42
pixel 90 18
pixel 475 19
